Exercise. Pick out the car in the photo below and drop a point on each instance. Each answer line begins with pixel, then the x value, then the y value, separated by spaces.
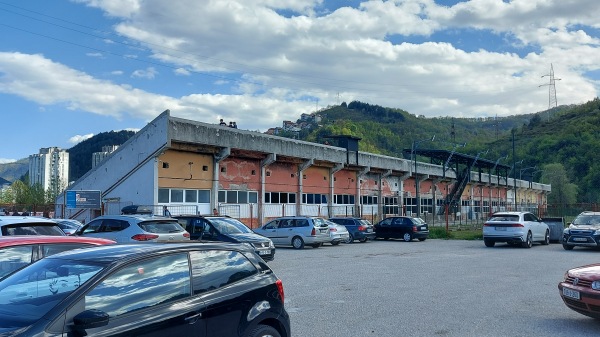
pixel 359 229
pixel 28 225
pixel 69 226
pixel 17 252
pixel 402 227
pixel 515 228
pixel 296 231
pixel 337 233
pixel 154 289
pixel 134 228
pixel 226 229
pixel 580 290
pixel 584 231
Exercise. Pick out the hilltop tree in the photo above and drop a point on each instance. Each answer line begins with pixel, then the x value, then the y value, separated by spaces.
pixel 563 191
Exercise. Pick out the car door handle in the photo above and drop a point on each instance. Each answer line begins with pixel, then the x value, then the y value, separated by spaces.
pixel 193 317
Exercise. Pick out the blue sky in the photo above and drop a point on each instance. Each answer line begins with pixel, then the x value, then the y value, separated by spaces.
pixel 70 69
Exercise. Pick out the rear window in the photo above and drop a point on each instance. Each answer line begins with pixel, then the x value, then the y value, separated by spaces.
pixel 504 217
pixel 161 227
pixel 32 229
pixel 320 222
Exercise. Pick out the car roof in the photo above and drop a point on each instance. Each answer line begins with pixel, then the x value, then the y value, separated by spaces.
pixel 139 217
pixel 589 213
pixel 7 241
pixel 11 220
pixel 120 252
pixel 510 212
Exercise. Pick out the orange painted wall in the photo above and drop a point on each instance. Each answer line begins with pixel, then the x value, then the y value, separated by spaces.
pixel 282 178
pixel 317 180
pixel 239 174
pixel 180 174
pixel 345 182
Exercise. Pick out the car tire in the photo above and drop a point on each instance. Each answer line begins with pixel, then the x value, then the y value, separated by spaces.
pixel 335 243
pixel 317 245
pixel 297 242
pixel 350 239
pixel 567 247
pixel 422 239
pixel 363 240
pixel 546 239
pixel 407 237
pixel 489 243
pixel 264 331
pixel 528 243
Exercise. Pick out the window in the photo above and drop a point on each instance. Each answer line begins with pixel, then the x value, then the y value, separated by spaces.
pixel 368 200
pixel 204 196
pixel 13 258
pixel 238 197
pixel 51 249
pixel 213 269
pixel 163 195
pixel 279 198
pixel 142 285
pixel 343 199
pixel 176 195
pixel 191 196
pixel 314 198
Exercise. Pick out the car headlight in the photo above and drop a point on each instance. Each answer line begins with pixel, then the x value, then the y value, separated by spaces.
pixel 597 232
pixel 596 285
pixel 566 231
pixel 271 245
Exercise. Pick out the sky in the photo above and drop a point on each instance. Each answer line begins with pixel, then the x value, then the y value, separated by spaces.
pixel 70 69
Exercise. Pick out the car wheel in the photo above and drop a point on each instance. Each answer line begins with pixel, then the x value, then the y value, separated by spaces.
pixel 546 239
pixel 317 245
pixel 489 243
pixel 363 240
pixel 335 243
pixel 567 247
pixel 297 242
pixel 528 243
pixel 350 239
pixel 264 331
pixel 407 237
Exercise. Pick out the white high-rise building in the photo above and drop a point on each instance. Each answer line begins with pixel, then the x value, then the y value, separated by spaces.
pixel 97 157
pixel 50 168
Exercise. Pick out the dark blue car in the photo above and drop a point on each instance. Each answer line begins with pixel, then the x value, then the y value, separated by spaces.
pixel 359 229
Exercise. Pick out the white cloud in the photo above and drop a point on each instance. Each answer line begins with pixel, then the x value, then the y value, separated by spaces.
pixel 182 72
pixel 80 138
pixel 7 161
pixel 148 73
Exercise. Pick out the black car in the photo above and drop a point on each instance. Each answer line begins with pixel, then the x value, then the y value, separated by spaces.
pixel 583 231
pixel 226 229
pixel 402 227
pixel 359 229
pixel 153 289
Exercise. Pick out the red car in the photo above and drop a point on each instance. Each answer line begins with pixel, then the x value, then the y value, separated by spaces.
pixel 581 290
pixel 17 252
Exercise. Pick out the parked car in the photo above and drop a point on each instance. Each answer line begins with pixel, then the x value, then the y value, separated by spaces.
pixel 337 233
pixel 515 228
pixel 359 229
pixel 28 225
pixel 134 228
pixel 226 229
pixel 402 227
pixel 583 231
pixel 173 289
pixel 69 226
pixel 17 252
pixel 580 290
pixel 296 231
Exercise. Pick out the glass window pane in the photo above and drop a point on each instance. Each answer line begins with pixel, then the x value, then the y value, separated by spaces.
pixel 213 269
pixel 242 197
pixel 163 195
pixel 283 197
pixel 176 195
pixel 253 197
pixel 222 196
pixel 204 196
pixel 268 198
pixel 13 258
pixel 191 196
pixel 275 198
pixel 292 198
pixel 232 197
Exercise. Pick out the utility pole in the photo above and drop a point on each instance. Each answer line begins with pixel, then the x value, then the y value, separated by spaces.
pixel 552 102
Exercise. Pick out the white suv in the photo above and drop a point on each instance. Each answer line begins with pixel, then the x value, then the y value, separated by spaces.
pixel 515 228
pixel 134 228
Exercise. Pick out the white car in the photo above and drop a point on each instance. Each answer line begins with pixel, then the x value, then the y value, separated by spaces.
pixel 515 228
pixel 337 233
pixel 28 225
pixel 134 228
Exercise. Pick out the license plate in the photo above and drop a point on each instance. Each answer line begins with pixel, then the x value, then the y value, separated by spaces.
pixel 369 230
pixel 571 293
pixel 423 228
pixel 500 228
pixel 580 239
pixel 264 252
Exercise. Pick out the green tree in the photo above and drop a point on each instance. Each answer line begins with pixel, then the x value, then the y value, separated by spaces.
pixel 563 191
pixel 7 196
pixel 21 192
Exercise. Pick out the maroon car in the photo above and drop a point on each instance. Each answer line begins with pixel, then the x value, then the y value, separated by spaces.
pixel 580 290
pixel 17 252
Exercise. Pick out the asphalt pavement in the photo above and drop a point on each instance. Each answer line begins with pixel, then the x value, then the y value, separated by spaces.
pixel 431 288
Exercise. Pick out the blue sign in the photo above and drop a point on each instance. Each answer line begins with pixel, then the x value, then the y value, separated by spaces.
pixel 84 199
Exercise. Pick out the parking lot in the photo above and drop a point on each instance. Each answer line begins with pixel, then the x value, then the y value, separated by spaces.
pixel 431 288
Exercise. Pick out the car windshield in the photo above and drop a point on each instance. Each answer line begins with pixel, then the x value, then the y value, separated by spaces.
pixel 320 222
pixel 229 226
pixel 32 228
pixel 504 217
pixel 591 220
pixel 161 227
pixel 30 293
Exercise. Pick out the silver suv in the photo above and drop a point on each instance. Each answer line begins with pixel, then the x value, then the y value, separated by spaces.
pixel 134 228
pixel 296 231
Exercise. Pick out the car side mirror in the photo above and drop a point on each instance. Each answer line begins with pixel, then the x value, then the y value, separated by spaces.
pixel 89 319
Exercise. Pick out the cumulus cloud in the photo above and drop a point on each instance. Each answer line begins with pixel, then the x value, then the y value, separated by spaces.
pixel 7 161
pixel 148 73
pixel 80 138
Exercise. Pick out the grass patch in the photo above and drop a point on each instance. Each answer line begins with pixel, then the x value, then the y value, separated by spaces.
pixel 469 234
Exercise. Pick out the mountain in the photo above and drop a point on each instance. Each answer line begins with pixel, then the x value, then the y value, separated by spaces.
pixel 80 156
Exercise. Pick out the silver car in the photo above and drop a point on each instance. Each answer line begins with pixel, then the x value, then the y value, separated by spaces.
pixel 134 228
pixel 296 231
pixel 337 233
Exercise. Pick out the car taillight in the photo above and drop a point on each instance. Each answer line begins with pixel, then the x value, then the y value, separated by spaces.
pixel 280 290
pixel 144 237
pixel 414 228
pixel 186 235
pixel 362 228
pixel 516 225
pixel 332 229
pixel 313 232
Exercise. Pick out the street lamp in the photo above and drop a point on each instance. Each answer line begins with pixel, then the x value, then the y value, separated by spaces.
pixel 413 154
pixel 490 180
pixel 514 176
